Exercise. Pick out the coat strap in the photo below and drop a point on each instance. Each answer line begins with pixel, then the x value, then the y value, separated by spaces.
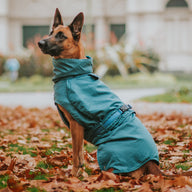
pixel 115 115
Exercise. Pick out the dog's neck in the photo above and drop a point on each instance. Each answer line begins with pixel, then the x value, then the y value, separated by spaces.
pixel 77 52
pixel 81 51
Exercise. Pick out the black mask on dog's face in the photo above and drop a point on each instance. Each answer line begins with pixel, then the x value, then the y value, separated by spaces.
pixel 62 38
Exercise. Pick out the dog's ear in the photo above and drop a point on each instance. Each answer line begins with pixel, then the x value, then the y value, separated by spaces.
pixel 76 26
pixel 57 19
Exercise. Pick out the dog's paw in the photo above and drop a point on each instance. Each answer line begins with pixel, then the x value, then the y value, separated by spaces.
pixel 75 171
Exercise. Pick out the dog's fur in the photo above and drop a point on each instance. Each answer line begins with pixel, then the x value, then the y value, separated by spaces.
pixel 65 42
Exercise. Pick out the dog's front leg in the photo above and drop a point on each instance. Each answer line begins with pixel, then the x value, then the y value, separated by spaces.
pixel 77 132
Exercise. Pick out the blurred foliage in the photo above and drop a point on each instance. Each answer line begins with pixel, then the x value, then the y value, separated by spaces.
pixel 117 59
pixel 35 62
pixel 183 91
pixel 121 59
pixel 2 62
pixel 32 61
pixel 145 59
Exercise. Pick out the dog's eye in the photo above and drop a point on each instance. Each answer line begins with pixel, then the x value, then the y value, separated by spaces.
pixel 60 35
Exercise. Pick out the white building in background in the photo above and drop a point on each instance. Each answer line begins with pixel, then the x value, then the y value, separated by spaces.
pixel 165 25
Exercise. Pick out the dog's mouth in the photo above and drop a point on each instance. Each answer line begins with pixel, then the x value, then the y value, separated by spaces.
pixel 53 50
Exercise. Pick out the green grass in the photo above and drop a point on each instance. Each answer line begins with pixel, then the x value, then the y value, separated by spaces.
pixel 32 84
pixel 88 171
pixel 141 80
pixel 182 95
pixel 90 148
pixel 43 165
pixel 183 166
pixel 41 177
pixel 54 149
pixel 22 149
pixel 179 86
pixel 35 189
pixel 138 80
pixel 169 142
pixel 109 190
pixel 3 181
pixel 181 83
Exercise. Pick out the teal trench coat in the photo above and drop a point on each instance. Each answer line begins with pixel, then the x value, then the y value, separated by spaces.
pixel 124 144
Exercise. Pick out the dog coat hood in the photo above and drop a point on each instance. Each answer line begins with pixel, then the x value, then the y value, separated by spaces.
pixel 66 68
pixel 124 143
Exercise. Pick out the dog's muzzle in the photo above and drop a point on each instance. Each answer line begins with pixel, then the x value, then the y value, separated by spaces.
pixel 42 44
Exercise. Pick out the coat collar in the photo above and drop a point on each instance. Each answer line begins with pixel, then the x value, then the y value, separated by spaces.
pixel 66 68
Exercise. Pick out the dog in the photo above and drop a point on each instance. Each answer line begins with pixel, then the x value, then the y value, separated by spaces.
pixel 92 111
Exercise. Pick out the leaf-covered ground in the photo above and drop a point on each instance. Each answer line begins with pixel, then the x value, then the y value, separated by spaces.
pixel 36 155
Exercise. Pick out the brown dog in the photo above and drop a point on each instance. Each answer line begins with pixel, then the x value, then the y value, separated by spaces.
pixel 64 43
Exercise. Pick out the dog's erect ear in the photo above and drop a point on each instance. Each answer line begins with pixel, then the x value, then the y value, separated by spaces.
pixel 57 19
pixel 76 26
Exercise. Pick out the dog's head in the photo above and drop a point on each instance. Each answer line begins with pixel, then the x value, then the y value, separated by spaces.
pixel 63 41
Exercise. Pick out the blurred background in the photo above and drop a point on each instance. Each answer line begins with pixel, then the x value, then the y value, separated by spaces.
pixel 134 43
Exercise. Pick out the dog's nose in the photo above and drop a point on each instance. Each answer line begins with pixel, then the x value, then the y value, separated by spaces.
pixel 42 43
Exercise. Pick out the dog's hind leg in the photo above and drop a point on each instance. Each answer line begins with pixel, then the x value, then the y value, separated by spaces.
pixel 148 168
pixel 152 168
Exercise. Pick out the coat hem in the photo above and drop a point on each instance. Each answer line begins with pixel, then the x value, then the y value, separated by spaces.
pixel 134 169
pixel 116 171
